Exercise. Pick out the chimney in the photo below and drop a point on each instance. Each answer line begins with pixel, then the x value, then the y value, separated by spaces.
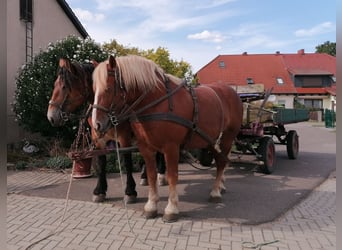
pixel 277 52
pixel 244 53
pixel 300 52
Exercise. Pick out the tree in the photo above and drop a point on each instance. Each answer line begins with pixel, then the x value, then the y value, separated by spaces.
pixel 160 56
pixel 35 84
pixel 327 47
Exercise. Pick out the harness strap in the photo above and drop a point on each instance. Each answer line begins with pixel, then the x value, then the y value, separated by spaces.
pixel 167 86
pixel 130 114
pixel 161 98
pixel 195 115
pixel 173 118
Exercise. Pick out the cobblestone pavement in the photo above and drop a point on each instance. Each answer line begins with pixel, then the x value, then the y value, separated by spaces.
pixel 36 223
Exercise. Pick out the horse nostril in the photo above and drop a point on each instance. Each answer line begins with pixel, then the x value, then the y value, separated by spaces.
pixel 52 121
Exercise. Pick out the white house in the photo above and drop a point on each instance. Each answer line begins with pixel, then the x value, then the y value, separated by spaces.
pixel 31 26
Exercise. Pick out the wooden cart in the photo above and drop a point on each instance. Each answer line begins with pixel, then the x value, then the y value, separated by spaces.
pixel 263 127
pixel 262 124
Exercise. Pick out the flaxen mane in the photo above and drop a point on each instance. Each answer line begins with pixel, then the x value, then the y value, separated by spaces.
pixel 136 72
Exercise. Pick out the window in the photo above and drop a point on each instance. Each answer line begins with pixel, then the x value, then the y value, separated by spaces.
pixel 280 81
pixel 222 65
pixel 313 81
pixel 249 80
pixel 26 10
pixel 313 103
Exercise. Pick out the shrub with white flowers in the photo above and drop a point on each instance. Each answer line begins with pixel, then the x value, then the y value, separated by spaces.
pixel 35 82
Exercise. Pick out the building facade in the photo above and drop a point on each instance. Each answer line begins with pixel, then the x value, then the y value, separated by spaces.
pixel 307 79
pixel 31 26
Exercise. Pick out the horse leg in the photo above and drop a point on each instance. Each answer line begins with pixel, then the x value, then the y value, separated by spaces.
pixel 171 212
pixel 143 177
pixel 222 161
pixel 130 192
pixel 99 193
pixel 161 169
pixel 150 208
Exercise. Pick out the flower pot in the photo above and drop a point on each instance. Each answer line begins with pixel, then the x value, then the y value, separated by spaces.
pixel 82 168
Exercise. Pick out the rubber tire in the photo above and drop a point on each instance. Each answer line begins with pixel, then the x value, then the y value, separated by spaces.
pixel 292 144
pixel 267 151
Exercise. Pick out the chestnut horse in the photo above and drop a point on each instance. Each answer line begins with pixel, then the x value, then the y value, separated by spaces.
pixel 166 115
pixel 72 89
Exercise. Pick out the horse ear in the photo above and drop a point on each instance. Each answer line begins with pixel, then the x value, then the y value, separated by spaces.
pixel 95 63
pixel 63 62
pixel 112 62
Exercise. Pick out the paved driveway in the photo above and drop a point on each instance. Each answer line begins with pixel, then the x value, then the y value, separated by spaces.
pixel 252 198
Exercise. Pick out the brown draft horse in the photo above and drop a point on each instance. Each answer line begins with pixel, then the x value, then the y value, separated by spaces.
pixel 72 89
pixel 166 115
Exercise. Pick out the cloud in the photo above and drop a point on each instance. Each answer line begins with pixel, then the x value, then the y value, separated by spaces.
pixel 206 35
pixel 87 16
pixel 212 4
pixel 321 28
pixel 163 15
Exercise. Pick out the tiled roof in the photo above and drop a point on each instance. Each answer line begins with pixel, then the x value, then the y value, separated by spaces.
pixel 331 90
pixel 311 90
pixel 266 68
pixel 310 62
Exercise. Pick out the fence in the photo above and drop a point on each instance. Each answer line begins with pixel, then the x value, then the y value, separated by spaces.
pixel 329 118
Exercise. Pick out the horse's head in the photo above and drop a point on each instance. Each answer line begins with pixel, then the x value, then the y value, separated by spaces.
pixel 121 82
pixel 105 90
pixel 71 90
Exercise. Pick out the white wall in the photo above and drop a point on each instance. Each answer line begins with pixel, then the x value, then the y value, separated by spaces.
pixel 50 24
pixel 287 99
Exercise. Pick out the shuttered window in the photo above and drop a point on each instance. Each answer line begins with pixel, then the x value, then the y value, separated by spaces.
pixel 26 10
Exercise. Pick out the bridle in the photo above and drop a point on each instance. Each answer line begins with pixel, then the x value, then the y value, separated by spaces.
pixel 120 113
pixel 65 116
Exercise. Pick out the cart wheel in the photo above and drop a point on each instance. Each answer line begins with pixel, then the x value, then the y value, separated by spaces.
pixel 292 144
pixel 267 151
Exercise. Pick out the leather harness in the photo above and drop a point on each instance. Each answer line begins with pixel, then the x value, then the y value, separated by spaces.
pixel 127 113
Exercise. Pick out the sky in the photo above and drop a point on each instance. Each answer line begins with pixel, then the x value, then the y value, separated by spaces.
pixel 197 31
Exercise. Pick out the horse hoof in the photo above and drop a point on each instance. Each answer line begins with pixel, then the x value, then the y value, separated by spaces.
pixel 99 198
pixel 130 199
pixel 151 214
pixel 143 182
pixel 170 218
pixel 215 199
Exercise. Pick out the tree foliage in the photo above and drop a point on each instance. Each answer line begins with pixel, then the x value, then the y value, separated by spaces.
pixel 327 47
pixel 35 82
pixel 160 56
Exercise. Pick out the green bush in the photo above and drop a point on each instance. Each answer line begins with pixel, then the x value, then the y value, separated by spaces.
pixel 21 165
pixel 59 162
pixel 35 82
